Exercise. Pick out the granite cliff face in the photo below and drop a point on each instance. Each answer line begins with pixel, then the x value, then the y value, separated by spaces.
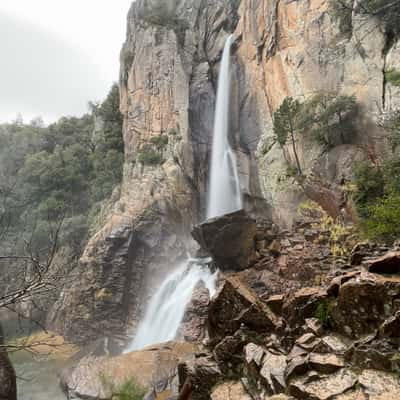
pixel 169 70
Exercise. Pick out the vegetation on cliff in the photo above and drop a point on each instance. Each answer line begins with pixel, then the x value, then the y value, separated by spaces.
pixel 62 171
pixel 378 190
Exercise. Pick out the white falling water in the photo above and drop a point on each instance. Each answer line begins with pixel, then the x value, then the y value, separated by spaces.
pixel 224 189
pixel 166 309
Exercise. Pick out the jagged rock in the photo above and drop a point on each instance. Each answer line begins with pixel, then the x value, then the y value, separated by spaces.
pixel 229 239
pixel 325 363
pixel 193 324
pixel 379 383
pixel 324 388
pixel 235 304
pixel 364 303
pixel 197 377
pixel 391 327
pixel 308 341
pixel 379 354
pixel 387 264
pixel 314 326
pixel 297 366
pixel 301 305
pixel 228 350
pixel 230 391
pixel 92 376
pixel 331 344
pixel 254 353
pixel 275 303
pixel 273 372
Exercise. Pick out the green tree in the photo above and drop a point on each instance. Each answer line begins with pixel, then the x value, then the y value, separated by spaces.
pixel 285 126
pixel 330 118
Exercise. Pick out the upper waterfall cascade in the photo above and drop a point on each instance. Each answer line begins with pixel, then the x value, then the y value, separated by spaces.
pixel 224 188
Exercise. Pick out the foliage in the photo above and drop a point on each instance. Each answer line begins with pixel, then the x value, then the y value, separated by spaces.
pixel 378 192
pixel 286 124
pixel 340 237
pixel 383 222
pixel 159 141
pixel 393 76
pixel 324 314
pixel 370 186
pixel 128 390
pixel 150 155
pixel 329 118
pixel 393 127
pixel 60 171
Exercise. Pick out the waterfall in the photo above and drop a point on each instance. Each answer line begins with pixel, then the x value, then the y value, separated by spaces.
pixel 166 309
pixel 224 188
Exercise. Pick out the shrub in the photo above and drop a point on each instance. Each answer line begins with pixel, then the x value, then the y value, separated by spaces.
pixel 129 390
pixel 159 141
pixel 393 76
pixel 383 222
pixel 324 314
pixel 370 186
pixel 148 155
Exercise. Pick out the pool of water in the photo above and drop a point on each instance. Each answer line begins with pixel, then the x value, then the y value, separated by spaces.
pixel 37 377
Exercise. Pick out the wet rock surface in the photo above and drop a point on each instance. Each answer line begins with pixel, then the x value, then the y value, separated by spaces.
pixel 229 240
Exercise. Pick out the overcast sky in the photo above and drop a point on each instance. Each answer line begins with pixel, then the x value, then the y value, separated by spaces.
pixel 56 55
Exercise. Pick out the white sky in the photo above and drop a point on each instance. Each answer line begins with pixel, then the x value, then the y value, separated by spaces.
pixel 56 55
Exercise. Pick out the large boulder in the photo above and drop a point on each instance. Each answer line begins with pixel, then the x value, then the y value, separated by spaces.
pixel 364 303
pixel 229 239
pixel 235 304
pixel 154 367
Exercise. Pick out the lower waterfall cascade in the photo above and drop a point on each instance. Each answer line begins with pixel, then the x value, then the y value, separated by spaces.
pixel 166 309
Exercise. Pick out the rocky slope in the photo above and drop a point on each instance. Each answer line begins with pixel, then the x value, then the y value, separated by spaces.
pixel 169 69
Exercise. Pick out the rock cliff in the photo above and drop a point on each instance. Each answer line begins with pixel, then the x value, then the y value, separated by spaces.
pixel 169 70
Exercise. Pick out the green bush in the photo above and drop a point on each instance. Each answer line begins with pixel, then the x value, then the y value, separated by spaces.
pixel 148 155
pixel 324 314
pixel 370 185
pixel 159 141
pixel 383 222
pixel 393 76
pixel 128 390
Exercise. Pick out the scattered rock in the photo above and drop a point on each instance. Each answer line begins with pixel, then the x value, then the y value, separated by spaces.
pixel 235 304
pixel 325 363
pixel 273 372
pixel 380 383
pixel 229 239
pixel 324 388
pixel 230 391
pixel 391 327
pixel 387 264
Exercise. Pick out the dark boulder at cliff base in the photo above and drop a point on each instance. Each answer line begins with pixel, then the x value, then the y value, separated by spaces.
pixel 229 240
